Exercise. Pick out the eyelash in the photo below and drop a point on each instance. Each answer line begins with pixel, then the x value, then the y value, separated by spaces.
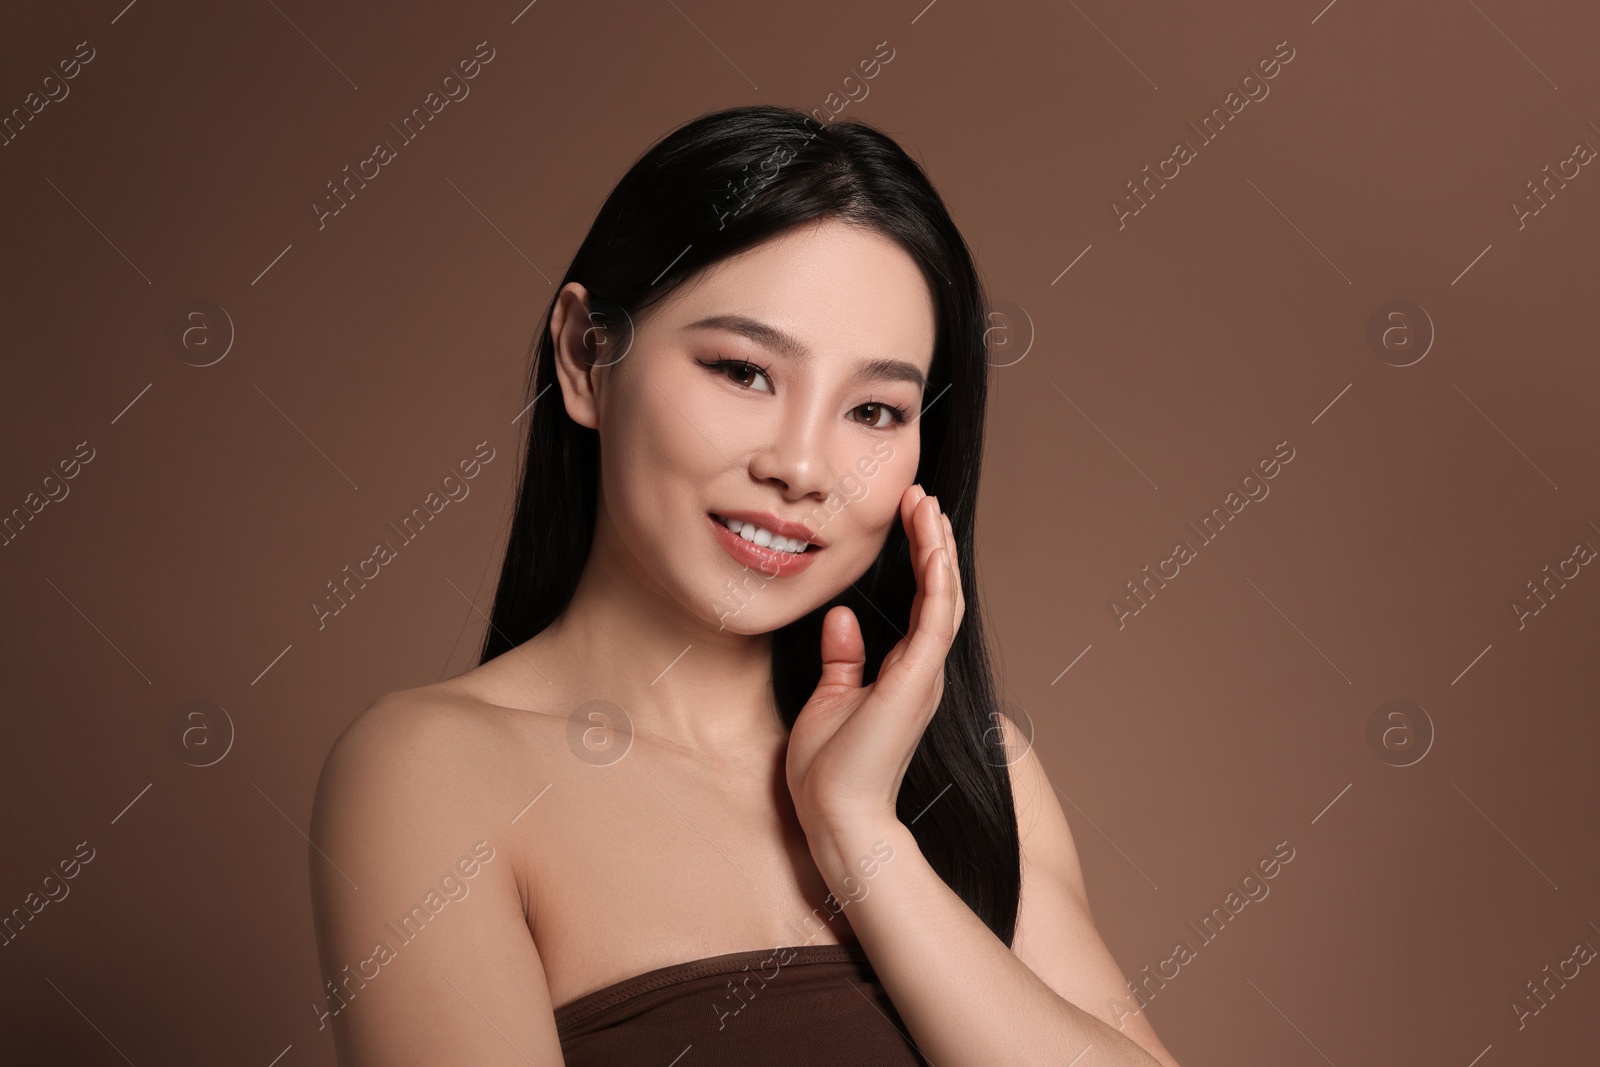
pixel 897 414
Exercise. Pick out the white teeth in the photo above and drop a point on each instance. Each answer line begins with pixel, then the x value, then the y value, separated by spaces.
pixel 763 537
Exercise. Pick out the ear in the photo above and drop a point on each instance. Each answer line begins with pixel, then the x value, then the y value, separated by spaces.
pixel 571 330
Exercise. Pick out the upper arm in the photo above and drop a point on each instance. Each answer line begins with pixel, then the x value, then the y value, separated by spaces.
pixel 420 924
pixel 1056 935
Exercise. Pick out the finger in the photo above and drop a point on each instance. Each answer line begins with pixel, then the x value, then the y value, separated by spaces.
pixel 908 506
pixel 955 567
pixel 918 537
pixel 844 653
pixel 922 531
pixel 937 610
pixel 916 678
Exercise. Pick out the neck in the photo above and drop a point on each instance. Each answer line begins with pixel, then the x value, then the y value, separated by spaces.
pixel 682 680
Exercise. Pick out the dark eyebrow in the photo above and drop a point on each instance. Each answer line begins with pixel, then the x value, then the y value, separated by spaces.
pixel 771 337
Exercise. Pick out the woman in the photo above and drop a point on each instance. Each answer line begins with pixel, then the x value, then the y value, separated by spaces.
pixel 729 780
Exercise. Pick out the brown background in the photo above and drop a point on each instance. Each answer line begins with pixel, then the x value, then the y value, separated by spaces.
pixel 1229 315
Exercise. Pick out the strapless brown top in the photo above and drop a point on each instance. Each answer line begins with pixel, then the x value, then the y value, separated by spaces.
pixel 798 1005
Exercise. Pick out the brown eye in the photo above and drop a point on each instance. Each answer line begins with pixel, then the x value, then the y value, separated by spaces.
pixel 878 411
pixel 739 371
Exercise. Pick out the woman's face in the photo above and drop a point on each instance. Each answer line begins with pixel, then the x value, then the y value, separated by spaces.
pixel 782 385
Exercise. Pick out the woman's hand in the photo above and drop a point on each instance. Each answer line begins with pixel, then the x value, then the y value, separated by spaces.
pixel 851 744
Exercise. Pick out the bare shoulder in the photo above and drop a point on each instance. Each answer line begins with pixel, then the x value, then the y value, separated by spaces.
pixel 445 742
pixel 1042 828
pixel 1055 933
pixel 411 832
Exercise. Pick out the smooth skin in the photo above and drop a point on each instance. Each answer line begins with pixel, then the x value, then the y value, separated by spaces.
pixel 698 824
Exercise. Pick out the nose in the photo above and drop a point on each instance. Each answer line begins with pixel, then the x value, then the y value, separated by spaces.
pixel 794 458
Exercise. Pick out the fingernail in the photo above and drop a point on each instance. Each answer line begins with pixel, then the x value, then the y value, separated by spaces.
pixel 921 492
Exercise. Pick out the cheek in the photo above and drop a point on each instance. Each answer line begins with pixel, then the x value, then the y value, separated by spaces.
pixel 650 454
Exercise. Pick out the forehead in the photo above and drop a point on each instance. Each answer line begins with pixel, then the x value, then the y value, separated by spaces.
pixel 844 292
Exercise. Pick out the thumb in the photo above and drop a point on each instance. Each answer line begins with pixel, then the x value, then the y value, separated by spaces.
pixel 844 653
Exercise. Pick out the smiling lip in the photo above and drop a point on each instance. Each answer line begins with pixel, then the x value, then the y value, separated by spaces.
pixel 782 527
pixel 768 561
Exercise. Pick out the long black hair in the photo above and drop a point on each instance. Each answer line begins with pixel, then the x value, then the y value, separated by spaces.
pixel 715 186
